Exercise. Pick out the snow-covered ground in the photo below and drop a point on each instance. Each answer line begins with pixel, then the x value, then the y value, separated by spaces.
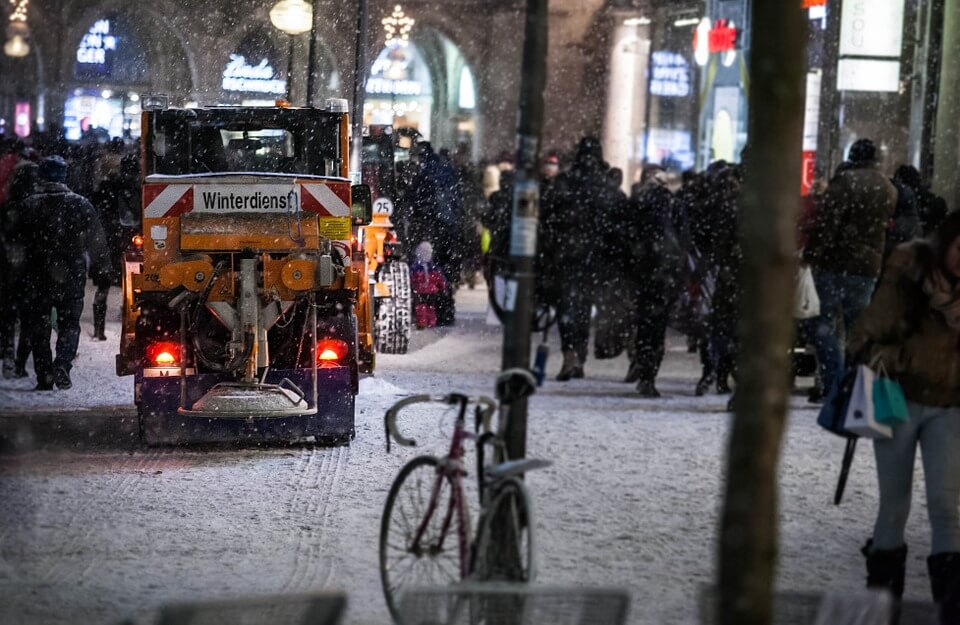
pixel 631 500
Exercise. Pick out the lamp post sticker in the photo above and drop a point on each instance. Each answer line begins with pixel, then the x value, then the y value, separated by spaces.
pixel 383 206
pixel 526 210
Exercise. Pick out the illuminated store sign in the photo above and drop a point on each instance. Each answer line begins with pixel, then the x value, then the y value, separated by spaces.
pixel 241 76
pixel 719 38
pixel 871 28
pixel 670 75
pixel 96 49
pixel 871 44
pixel 386 86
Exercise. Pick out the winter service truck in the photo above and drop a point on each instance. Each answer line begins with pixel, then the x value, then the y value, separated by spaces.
pixel 246 301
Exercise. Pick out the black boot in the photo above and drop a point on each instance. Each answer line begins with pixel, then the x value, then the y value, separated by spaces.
pixel 633 374
pixel 99 320
pixel 706 380
pixel 944 569
pixel 571 367
pixel 61 377
pixel 647 389
pixel 886 569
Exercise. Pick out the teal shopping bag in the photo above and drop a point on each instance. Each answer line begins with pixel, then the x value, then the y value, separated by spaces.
pixel 889 404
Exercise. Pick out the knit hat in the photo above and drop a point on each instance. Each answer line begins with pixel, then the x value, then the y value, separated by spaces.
pixel 53 169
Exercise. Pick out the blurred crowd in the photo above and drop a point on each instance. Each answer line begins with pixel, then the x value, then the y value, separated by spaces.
pixel 625 267
pixel 67 213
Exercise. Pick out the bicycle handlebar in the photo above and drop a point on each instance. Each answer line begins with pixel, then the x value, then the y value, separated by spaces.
pixel 485 409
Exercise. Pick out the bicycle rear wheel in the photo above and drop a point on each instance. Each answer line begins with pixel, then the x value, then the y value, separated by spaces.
pixel 435 559
pixel 512 557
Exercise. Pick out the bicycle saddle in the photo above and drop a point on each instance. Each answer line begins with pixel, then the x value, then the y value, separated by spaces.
pixel 515 384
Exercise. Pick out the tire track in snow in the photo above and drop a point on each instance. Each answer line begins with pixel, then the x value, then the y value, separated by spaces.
pixel 126 471
pixel 326 513
pixel 313 488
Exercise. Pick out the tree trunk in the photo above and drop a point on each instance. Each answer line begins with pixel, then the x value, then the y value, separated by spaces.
pixel 768 209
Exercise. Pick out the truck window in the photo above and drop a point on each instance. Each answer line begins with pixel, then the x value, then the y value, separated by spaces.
pixel 204 141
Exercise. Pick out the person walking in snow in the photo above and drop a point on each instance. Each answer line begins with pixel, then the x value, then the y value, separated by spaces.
pixel 657 237
pixel 912 325
pixel 570 210
pixel 437 216
pixel 845 250
pixel 61 228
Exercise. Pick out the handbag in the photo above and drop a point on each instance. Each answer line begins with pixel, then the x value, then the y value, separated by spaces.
pixel 806 302
pixel 834 407
pixel 860 418
pixel 889 403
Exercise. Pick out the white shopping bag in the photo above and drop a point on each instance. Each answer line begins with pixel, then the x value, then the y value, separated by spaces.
pixel 860 418
pixel 807 302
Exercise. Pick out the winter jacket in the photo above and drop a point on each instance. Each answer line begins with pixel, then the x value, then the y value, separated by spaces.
pixel 656 236
pixel 916 345
pixel 850 228
pixel 572 215
pixel 60 228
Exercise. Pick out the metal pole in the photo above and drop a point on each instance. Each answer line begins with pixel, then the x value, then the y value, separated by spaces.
pixel 828 134
pixel 525 216
pixel 312 55
pixel 359 85
pixel 933 29
pixel 290 71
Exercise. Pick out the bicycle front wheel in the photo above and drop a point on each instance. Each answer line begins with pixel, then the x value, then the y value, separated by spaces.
pixel 504 550
pixel 418 541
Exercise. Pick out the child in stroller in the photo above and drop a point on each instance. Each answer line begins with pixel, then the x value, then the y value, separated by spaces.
pixel 429 285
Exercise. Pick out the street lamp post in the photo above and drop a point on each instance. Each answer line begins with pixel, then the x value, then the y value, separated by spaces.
pixel 293 17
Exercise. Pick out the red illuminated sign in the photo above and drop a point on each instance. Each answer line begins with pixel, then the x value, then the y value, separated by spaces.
pixel 814 3
pixel 721 38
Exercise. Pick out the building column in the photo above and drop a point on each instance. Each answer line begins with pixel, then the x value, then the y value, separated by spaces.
pixel 947 140
pixel 627 100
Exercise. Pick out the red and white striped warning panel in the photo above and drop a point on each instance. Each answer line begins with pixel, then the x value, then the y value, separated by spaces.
pixel 173 200
pixel 325 200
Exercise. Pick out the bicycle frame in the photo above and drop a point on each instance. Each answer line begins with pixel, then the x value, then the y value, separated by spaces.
pixel 450 467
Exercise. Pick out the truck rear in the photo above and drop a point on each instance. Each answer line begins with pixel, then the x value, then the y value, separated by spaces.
pixel 246 306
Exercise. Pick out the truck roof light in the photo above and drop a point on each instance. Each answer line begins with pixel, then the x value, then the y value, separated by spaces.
pixel 338 105
pixel 154 102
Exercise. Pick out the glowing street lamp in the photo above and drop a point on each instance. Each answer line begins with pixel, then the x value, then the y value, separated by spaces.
pixel 18 32
pixel 293 17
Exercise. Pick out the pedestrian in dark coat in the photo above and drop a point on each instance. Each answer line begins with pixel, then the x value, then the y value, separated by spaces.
pixel 13 265
pixel 905 224
pixel 118 205
pixel 724 257
pixel 61 229
pixel 655 235
pixel 931 208
pixel 845 250
pixel 437 216
pixel 570 213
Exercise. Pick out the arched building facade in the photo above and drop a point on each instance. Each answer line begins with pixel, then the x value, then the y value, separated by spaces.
pixel 91 59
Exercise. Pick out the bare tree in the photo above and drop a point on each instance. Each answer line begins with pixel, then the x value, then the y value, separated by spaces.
pixel 768 209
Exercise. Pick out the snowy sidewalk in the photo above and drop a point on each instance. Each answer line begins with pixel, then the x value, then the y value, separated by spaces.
pixel 631 500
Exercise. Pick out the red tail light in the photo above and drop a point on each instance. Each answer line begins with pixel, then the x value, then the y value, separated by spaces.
pixel 163 354
pixel 137 241
pixel 330 351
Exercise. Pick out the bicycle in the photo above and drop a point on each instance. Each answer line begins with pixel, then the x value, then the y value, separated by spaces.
pixel 415 527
